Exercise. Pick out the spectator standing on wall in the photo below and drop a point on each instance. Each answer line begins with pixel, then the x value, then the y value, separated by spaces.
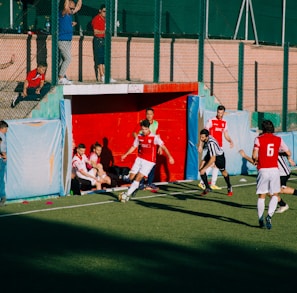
pixel 7 64
pixel 35 87
pixel 99 27
pixel 65 37
pixel 3 159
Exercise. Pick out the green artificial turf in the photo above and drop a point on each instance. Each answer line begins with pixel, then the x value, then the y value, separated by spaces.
pixel 170 241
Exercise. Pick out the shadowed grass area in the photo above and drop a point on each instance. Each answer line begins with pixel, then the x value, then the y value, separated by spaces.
pixel 178 242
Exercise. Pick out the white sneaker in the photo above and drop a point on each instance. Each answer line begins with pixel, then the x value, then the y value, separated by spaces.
pixel 102 78
pixel 64 81
pixel 282 209
pixel 112 80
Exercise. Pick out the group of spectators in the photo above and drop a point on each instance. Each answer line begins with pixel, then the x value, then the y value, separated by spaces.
pixel 67 10
pixel 35 87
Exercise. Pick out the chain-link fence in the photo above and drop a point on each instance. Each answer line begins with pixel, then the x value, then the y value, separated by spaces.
pixel 29 31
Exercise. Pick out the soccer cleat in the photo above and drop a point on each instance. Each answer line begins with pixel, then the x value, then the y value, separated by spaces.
pixel 152 187
pixel 261 222
pixel 230 191
pixel 215 187
pixel 206 191
pixel 122 197
pixel 282 209
pixel 268 222
pixel 201 185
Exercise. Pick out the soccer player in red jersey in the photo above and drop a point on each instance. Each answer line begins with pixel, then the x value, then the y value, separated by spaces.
pixel 265 155
pixel 146 143
pixel 217 127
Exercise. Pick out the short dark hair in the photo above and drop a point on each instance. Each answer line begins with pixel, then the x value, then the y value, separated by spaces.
pixel 267 126
pixel 204 131
pixel 3 124
pixel 102 6
pixel 81 146
pixel 221 107
pixel 41 64
pixel 145 123
pixel 149 109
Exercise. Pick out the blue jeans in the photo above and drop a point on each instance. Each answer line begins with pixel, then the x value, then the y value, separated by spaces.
pixel 2 178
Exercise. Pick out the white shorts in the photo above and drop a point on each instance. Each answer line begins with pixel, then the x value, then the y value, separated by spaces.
pixel 91 172
pixel 268 181
pixel 142 166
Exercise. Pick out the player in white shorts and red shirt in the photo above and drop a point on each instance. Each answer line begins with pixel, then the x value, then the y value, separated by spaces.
pixel 146 143
pixel 79 163
pixel 265 155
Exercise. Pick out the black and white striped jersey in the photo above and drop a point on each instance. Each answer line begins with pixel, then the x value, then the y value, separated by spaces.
pixel 213 147
pixel 283 165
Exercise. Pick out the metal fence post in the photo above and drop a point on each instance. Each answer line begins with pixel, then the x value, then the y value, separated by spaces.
pixel 240 76
pixel 201 42
pixel 108 34
pixel 157 36
pixel 55 52
pixel 285 87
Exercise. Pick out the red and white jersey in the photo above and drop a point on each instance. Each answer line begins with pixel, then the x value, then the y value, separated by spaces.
pixel 216 128
pixel 94 157
pixel 147 146
pixel 268 146
pixel 79 163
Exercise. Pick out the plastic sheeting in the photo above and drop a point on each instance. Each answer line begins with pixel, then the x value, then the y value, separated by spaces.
pixel 34 156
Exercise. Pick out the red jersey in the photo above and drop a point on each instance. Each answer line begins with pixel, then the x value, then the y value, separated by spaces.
pixel 147 146
pixel 268 146
pixel 98 23
pixel 34 78
pixel 216 128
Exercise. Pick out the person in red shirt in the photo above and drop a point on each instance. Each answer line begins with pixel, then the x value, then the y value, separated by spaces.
pixel 217 127
pixel 146 143
pixel 265 155
pixel 35 87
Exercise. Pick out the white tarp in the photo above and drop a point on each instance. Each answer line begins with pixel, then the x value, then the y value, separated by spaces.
pixel 34 158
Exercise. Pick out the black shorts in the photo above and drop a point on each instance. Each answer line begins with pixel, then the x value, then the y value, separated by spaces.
pixel 284 180
pixel 220 161
pixel 98 49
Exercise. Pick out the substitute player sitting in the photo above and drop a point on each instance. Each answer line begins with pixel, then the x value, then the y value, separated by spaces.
pixel 146 143
pixel 86 177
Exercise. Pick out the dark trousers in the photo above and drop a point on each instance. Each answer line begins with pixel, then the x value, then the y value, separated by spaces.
pixel 32 96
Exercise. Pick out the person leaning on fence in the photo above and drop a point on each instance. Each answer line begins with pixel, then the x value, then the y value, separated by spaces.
pixel 35 87
pixel 65 37
pixel 9 63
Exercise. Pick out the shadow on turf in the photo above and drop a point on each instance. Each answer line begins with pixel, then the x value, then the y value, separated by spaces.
pixel 47 256
pixel 193 213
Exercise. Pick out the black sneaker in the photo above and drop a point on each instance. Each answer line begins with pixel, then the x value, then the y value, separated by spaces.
pixel 268 222
pixel 261 222
pixel 206 191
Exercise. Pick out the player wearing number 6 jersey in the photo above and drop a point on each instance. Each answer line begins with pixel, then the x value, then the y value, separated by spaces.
pixel 265 155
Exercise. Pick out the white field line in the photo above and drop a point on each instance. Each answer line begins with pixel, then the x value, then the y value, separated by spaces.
pixel 112 201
